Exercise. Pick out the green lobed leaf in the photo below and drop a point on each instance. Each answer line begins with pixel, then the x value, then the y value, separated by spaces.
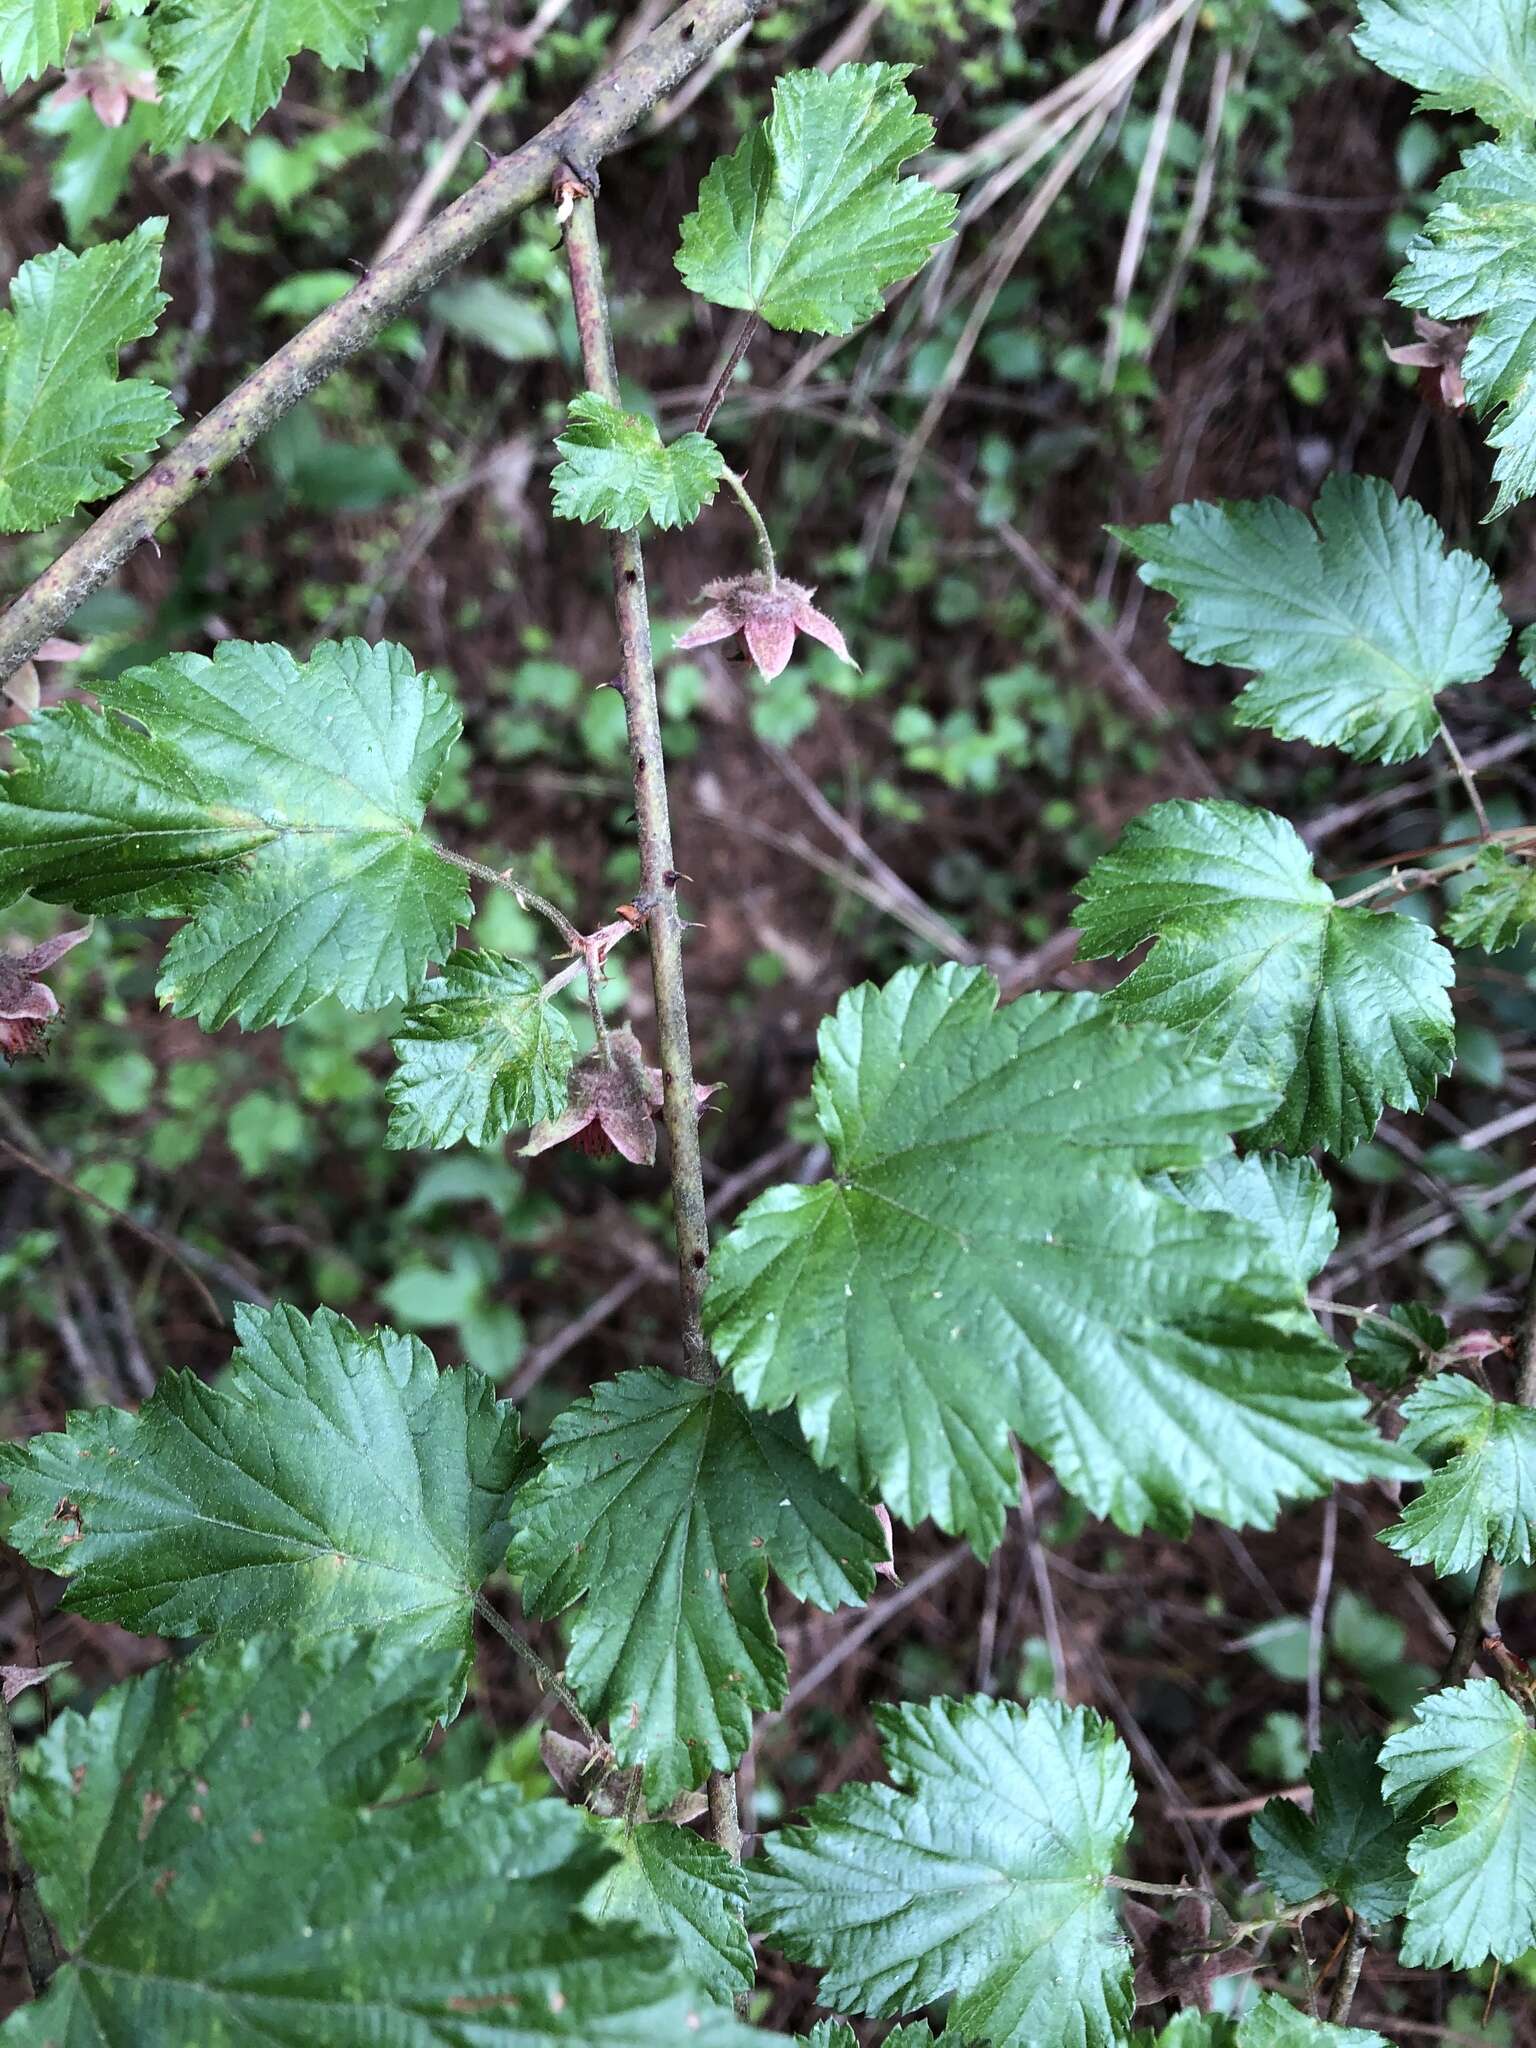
pixel 675 1884
pixel 661 1504
pixel 977 1876
pixel 36 34
pixel 481 1052
pixel 1482 1499
pixel 1499 907
pixel 1474 1891
pixel 1476 260
pixel 1354 627
pixel 1476 57
pixel 71 429
pixel 615 470
pixel 278 806
pixel 987 1259
pixel 329 1480
pixel 809 223
pixel 227 60
pixel 1351 1844
pixel 1341 1011
pixel 1288 1199
pixel 1273 2022
pixel 1395 1343
pixel 212 1861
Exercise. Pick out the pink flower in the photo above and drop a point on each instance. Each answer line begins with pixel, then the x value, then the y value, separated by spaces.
pixel 611 1108
pixel 767 616
pixel 26 1007
pixel 1437 355
pixel 109 87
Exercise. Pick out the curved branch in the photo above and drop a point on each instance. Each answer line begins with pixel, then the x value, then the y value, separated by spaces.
pixel 584 133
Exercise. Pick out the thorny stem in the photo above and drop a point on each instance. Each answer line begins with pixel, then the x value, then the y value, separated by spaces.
pixel 722 383
pixel 1481 1625
pixel 585 132
pixel 503 878
pixel 36 1935
pixel 680 1109
pixel 764 544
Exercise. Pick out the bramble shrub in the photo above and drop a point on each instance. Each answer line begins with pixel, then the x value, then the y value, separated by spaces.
pixel 1082 1224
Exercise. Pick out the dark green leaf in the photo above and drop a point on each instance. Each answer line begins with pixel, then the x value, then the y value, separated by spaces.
pixel 662 1504
pixel 328 1481
pixel 1341 1011
pixel 1351 1844
pixel 1499 906
pixel 71 429
pixel 481 1053
pixel 988 1258
pixel 217 1873
pixel 280 806
pixel 676 1885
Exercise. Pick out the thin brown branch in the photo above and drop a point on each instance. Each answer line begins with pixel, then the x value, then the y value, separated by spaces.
pixel 584 133
pixel 658 878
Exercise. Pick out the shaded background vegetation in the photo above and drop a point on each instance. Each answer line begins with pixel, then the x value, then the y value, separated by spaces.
pixel 1016 702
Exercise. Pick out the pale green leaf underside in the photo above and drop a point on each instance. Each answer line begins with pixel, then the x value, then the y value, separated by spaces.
pixel 72 429
pixel 615 470
pixel 675 1884
pixel 1354 627
pixel 1476 260
pixel 1287 1199
pixel 227 60
pixel 327 1481
pixel 481 1053
pixel 35 34
pixel 1478 56
pixel 1341 1011
pixel 809 223
pixel 215 1870
pixel 280 806
pixel 1474 1891
pixel 977 1876
pixel 661 1505
pixel 1482 1498
pixel 1351 1843
pixel 988 1259
pixel 1500 905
